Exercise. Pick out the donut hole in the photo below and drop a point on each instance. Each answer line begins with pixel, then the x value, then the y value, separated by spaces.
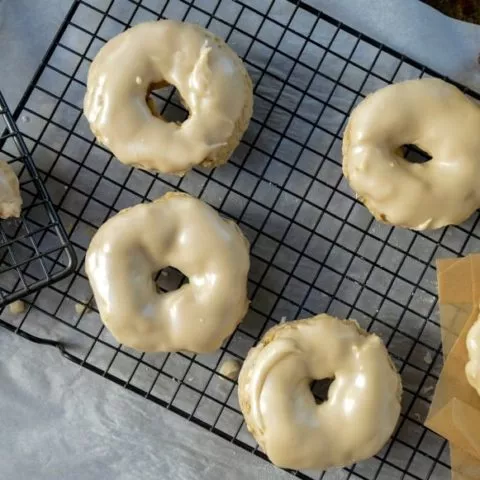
pixel 414 154
pixel 320 388
pixel 165 101
pixel 169 279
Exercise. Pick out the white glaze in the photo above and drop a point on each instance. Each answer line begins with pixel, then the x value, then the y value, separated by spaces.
pixel 209 77
pixel 180 231
pixel 439 119
pixel 363 402
pixel 472 368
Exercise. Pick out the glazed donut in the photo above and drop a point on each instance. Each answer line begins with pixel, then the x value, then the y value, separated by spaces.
pixel 180 231
pixel 472 368
pixel 210 78
pixel 10 198
pixel 436 117
pixel 281 412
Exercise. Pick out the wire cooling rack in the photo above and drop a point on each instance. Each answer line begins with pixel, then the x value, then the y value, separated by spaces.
pixel 314 247
pixel 34 249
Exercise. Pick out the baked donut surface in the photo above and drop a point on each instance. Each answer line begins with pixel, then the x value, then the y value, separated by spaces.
pixel 439 119
pixel 183 232
pixel 295 431
pixel 10 198
pixel 210 78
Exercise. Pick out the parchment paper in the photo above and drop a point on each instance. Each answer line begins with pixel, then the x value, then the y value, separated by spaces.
pixel 455 409
pixel 58 421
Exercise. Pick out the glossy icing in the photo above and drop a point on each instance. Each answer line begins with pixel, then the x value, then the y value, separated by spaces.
pixel 180 231
pixel 438 118
pixel 472 368
pixel 209 77
pixel 363 402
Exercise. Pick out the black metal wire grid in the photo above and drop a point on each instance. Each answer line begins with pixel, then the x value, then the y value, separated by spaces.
pixel 34 249
pixel 314 247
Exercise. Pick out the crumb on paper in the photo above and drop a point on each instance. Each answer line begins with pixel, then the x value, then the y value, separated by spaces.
pixel 231 368
pixel 428 358
pixel 81 308
pixel 283 319
pixel 17 307
pixel 428 390
pixel 91 230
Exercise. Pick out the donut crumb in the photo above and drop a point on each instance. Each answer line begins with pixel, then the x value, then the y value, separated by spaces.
pixel 17 307
pixel 80 308
pixel 230 368
pixel 428 390
pixel 428 359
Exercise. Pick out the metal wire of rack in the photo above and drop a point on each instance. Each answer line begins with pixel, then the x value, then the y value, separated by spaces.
pixel 314 247
pixel 34 249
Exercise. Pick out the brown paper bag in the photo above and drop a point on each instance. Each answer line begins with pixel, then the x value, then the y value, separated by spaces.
pixel 455 410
